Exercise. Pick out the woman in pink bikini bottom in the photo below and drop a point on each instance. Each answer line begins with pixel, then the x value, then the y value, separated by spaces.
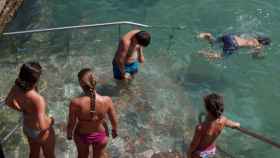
pixel 86 121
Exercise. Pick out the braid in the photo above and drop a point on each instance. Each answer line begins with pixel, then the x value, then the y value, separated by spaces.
pixel 92 98
pixel 90 81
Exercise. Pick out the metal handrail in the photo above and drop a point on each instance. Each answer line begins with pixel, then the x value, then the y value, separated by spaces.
pixel 250 133
pixel 89 26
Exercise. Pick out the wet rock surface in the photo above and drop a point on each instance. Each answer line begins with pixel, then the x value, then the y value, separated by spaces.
pixel 8 9
pixel 172 154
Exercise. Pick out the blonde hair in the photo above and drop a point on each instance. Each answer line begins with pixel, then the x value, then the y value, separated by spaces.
pixel 90 85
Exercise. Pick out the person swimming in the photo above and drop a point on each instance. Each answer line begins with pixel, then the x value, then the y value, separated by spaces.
pixel 129 54
pixel 87 116
pixel 206 132
pixel 24 97
pixel 232 42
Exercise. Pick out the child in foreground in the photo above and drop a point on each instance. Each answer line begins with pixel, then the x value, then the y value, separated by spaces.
pixel 203 143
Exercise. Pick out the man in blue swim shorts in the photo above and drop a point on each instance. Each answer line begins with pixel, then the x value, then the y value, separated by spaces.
pixel 231 43
pixel 129 54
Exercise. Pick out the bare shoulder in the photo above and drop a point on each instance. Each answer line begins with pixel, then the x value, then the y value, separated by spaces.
pixel 75 101
pixel 35 96
pixel 107 99
pixel 127 37
pixel 223 119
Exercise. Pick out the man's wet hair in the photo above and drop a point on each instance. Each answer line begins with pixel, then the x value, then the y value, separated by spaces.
pixel 143 38
pixel 264 40
pixel 29 75
pixel 214 104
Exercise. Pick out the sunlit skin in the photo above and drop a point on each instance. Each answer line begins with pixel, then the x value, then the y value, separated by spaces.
pixel 241 42
pixel 34 106
pixel 207 132
pixel 80 121
pixel 128 43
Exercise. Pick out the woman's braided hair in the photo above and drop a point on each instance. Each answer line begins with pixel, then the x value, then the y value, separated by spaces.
pixel 214 104
pixel 89 79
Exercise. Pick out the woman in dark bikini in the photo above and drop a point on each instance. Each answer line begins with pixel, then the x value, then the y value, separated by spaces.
pixel 37 126
pixel 202 145
pixel 87 115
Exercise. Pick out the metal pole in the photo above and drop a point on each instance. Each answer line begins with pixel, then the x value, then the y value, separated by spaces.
pixel 259 137
pixel 75 27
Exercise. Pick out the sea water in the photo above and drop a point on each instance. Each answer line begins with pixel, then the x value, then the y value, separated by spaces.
pixel 158 110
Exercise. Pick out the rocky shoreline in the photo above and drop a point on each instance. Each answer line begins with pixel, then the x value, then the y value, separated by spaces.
pixel 8 9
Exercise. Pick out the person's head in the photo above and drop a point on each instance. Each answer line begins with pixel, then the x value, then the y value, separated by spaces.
pixel 264 40
pixel 29 75
pixel 214 104
pixel 143 38
pixel 87 80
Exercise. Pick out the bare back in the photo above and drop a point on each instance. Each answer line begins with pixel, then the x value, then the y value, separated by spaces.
pixel 26 102
pixel 82 108
pixel 210 132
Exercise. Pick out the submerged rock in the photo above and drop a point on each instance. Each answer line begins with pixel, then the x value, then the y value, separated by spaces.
pixel 8 9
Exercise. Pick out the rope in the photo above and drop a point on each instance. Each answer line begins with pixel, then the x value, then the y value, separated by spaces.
pixel 259 137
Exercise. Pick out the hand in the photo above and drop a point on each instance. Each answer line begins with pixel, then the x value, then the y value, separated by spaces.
pixel 237 125
pixel 114 133
pixel 205 35
pixel 126 76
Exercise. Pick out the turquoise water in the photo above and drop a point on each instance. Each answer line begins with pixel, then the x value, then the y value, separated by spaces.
pixel 159 109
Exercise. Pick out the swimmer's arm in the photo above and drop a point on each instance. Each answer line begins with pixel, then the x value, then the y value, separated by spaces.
pixel 141 58
pixel 231 124
pixel 195 141
pixel 130 34
pixel 11 101
pixel 112 117
pixel 207 36
pixel 40 106
pixel 211 55
pixel 72 120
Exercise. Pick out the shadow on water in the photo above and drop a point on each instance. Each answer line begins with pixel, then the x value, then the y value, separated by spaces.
pixel 203 73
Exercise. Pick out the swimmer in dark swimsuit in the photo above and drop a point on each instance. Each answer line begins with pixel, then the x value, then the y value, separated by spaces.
pixel 231 43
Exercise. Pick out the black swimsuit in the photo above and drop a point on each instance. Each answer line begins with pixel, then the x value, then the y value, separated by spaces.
pixel 229 44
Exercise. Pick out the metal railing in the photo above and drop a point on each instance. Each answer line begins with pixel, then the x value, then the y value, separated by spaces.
pixel 118 23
